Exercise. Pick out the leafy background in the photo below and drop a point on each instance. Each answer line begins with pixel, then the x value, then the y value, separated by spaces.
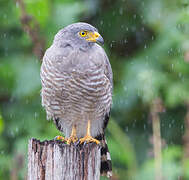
pixel 148 46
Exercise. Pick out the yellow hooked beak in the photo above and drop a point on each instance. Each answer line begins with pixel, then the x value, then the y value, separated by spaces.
pixel 95 37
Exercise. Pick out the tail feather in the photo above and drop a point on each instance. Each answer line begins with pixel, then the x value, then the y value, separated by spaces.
pixel 106 163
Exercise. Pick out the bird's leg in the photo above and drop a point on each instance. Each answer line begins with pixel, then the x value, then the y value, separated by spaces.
pixel 73 138
pixel 88 138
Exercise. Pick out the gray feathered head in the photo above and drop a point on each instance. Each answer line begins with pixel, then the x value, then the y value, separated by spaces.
pixel 79 34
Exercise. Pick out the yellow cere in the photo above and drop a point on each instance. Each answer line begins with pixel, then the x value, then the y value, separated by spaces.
pixel 93 36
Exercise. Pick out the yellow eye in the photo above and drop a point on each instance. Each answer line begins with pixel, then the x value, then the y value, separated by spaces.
pixel 83 33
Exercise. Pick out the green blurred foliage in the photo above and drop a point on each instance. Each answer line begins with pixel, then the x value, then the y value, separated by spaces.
pixel 148 46
pixel 171 166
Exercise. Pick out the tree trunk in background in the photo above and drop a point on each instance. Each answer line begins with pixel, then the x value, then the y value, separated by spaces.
pixel 156 108
pixel 54 160
pixel 32 28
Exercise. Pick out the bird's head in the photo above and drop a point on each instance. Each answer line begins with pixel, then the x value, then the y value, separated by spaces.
pixel 91 36
pixel 79 34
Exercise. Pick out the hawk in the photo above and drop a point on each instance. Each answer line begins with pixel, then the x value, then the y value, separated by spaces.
pixel 77 86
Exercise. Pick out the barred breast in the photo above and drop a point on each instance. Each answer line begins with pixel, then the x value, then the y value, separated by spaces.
pixel 73 97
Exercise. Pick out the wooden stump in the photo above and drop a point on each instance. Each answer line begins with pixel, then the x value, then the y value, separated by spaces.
pixel 54 160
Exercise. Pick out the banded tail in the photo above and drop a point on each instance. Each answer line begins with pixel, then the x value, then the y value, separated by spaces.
pixel 106 163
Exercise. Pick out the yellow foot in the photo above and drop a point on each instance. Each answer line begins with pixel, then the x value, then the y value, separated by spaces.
pixel 89 139
pixel 71 139
pixel 60 138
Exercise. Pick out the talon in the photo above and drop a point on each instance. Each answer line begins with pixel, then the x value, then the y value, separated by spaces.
pixel 89 139
pixel 72 139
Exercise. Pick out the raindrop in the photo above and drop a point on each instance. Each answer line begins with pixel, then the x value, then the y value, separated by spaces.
pixel 145 46
pixel 12 134
pixel 35 115
pixel 133 28
pixel 101 22
pixel 134 123
pixel 111 44
pixel 2 152
pixel 159 15
pixel 17 4
pixel 125 88
pixel 121 11
pixel 138 94
pixel 134 16
pixel 5 16
pixel 144 126
pixel 178 26
pixel 11 99
pixel 170 51
pixel 26 101
pixel 11 115
pixel 179 50
pixel 127 129
pixel 170 125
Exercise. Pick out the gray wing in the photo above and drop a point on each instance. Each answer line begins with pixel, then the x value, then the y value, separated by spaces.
pixel 109 75
pixel 106 164
pixel 108 70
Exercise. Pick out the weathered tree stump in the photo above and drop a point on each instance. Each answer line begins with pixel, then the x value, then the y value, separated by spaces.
pixel 54 160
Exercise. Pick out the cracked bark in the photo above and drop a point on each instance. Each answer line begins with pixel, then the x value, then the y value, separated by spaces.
pixel 54 160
